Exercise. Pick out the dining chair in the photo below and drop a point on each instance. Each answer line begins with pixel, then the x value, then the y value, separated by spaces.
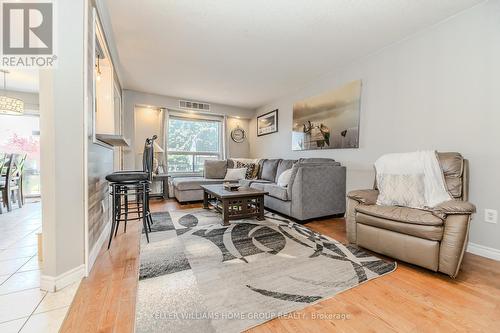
pixel 2 161
pixel 17 180
pixel 11 180
pixel 4 171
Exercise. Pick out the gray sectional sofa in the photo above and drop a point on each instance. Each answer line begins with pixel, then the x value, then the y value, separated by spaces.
pixel 188 189
pixel 317 187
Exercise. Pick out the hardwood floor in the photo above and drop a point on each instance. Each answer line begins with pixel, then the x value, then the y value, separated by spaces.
pixel 409 300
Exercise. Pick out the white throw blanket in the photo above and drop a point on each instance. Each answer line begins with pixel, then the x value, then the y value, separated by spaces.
pixel 423 164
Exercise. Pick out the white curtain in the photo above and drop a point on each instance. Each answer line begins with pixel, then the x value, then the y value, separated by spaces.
pixel 225 145
pixel 164 140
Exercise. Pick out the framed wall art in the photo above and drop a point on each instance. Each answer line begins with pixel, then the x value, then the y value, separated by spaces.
pixel 329 120
pixel 267 123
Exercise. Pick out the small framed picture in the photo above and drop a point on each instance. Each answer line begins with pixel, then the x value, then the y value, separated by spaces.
pixel 267 123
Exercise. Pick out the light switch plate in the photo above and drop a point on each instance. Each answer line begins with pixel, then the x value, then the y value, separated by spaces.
pixel 491 215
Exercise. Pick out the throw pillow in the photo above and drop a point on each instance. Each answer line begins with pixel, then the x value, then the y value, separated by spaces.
pixel 252 169
pixel 282 166
pixel 269 168
pixel 215 169
pixel 284 178
pixel 235 174
pixel 401 190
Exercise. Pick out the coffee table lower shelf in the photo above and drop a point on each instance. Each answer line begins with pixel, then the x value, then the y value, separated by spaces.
pixel 236 208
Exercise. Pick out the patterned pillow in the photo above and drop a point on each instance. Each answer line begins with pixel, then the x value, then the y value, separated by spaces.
pixel 401 190
pixel 252 169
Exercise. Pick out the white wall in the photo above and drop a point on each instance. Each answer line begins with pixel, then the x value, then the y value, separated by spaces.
pixel 436 90
pixel 62 135
pixel 131 99
pixel 238 150
pixel 148 122
pixel 100 159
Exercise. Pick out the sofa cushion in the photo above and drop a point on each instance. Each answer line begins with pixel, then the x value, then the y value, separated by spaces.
pixel 454 186
pixel 401 214
pixel 215 169
pixel 452 165
pixel 248 182
pixel 124 176
pixel 276 191
pixel 282 166
pixel 318 160
pixel 193 183
pixel 431 232
pixel 269 168
pixel 258 186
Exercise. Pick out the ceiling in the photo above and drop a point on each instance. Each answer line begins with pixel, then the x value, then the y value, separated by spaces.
pixel 24 80
pixel 248 52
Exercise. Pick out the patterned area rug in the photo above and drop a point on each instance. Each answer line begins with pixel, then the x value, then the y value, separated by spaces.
pixel 199 276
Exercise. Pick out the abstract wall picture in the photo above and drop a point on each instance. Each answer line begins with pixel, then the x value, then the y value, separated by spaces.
pixel 267 123
pixel 329 120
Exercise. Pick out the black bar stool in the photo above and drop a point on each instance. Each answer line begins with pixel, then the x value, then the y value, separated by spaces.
pixel 136 185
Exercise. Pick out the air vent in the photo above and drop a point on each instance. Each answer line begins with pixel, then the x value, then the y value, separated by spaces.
pixel 194 105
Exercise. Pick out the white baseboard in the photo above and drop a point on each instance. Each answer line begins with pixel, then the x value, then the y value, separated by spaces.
pixel 55 283
pixel 97 247
pixel 483 251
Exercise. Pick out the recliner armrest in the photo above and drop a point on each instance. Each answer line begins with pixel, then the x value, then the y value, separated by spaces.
pixel 367 197
pixel 453 207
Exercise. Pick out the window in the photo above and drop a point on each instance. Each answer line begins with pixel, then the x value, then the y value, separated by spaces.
pixel 191 141
pixel 21 135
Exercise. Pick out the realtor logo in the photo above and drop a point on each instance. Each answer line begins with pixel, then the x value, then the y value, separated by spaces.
pixel 27 34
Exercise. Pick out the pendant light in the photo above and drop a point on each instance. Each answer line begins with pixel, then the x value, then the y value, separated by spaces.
pixel 99 74
pixel 9 105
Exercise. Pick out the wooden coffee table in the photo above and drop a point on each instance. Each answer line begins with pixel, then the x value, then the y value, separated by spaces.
pixel 234 205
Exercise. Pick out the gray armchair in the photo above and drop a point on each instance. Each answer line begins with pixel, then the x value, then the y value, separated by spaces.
pixel 435 239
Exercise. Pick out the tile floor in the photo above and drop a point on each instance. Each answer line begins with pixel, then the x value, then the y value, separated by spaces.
pixel 23 306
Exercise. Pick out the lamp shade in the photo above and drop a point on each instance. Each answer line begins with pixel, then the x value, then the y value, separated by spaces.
pixel 10 105
pixel 157 148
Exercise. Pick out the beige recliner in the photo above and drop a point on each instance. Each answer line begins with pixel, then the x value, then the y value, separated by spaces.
pixel 435 239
